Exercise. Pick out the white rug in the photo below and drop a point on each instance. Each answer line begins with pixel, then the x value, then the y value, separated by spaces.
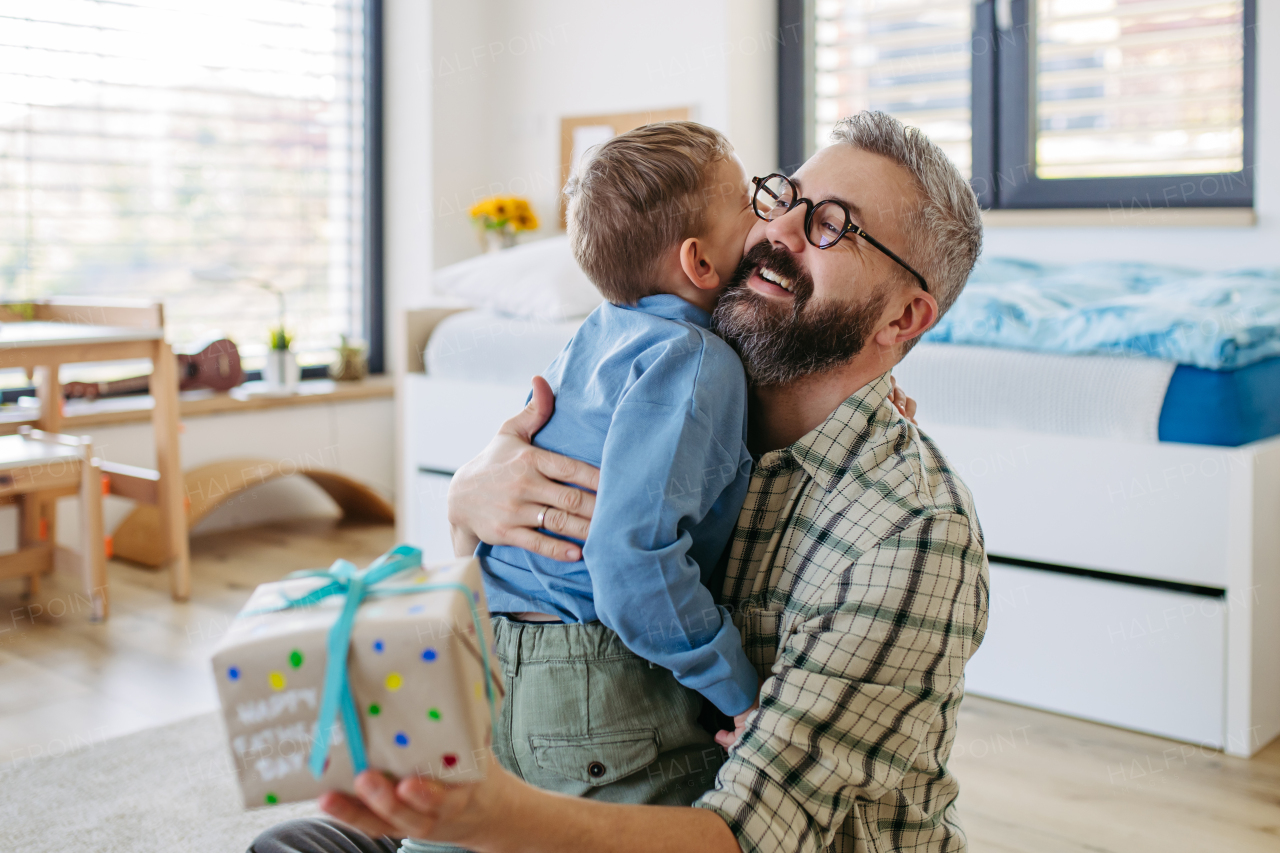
pixel 166 789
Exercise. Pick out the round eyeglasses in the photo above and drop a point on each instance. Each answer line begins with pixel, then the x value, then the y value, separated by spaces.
pixel 825 223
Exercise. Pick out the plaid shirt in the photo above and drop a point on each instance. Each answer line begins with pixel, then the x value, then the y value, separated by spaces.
pixel 858 579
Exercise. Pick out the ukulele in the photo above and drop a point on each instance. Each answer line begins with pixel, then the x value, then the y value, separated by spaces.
pixel 216 366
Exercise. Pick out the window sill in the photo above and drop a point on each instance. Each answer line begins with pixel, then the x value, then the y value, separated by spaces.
pixel 1122 217
pixel 81 416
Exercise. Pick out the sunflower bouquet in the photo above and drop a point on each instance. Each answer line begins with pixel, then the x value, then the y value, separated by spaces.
pixel 499 218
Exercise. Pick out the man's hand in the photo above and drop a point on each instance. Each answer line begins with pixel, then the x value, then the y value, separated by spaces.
pixel 503 814
pixel 902 402
pixel 417 807
pixel 498 496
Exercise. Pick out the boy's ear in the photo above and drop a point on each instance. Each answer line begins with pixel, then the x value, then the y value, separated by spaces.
pixel 697 266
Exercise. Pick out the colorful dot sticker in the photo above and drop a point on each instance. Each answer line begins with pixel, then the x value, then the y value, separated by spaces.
pixel 394 681
pixel 417 608
pixel 295 658
pixel 378 646
pixel 402 739
pixel 479 690
pixel 271 799
pixel 429 655
pixel 449 759
pixel 375 709
pixel 277 680
pixel 433 714
pixel 233 672
pixel 325 769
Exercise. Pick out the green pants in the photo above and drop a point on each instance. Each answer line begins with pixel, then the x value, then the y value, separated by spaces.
pixel 586 716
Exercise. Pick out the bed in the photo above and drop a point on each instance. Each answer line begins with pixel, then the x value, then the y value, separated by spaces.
pixel 1126 473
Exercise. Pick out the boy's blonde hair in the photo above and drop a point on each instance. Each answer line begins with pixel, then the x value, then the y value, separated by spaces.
pixel 642 193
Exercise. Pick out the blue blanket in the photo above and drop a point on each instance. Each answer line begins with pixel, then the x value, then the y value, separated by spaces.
pixel 1219 321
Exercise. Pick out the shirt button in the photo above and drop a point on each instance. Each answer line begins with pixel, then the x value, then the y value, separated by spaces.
pixel 596 769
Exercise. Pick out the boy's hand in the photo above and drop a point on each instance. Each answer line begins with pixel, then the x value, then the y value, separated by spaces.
pixel 728 738
pixel 902 402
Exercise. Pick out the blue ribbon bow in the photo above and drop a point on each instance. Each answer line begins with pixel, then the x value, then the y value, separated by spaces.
pixel 357 584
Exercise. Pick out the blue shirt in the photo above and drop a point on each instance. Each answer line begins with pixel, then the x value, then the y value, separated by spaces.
pixel 659 404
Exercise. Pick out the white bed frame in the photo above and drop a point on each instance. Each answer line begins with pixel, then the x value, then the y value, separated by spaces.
pixel 1132 584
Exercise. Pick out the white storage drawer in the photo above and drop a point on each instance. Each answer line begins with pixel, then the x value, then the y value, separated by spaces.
pixel 1152 510
pixel 448 422
pixel 1144 658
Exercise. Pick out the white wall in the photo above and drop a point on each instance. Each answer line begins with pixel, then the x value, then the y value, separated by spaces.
pixel 407 163
pixel 506 71
pixel 407 182
pixel 1207 248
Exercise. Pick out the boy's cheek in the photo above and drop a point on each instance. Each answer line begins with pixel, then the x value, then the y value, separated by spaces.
pixel 738 244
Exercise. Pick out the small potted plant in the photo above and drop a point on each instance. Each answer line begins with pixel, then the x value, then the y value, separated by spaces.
pixel 282 373
pixel 351 364
pixel 499 219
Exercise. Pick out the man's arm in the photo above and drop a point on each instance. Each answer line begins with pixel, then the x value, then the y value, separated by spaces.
pixel 505 815
pixel 857 688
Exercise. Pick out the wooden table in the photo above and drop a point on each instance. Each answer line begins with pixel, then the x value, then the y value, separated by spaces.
pixel 43 345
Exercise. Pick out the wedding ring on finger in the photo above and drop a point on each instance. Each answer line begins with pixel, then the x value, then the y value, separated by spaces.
pixel 542 516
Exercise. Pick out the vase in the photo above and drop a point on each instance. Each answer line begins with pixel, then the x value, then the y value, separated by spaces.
pixel 496 240
pixel 281 372
pixel 350 366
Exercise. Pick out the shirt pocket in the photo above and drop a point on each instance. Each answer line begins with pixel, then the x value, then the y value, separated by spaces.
pixel 762 636
pixel 597 759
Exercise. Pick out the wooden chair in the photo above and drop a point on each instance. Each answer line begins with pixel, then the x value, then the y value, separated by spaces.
pixel 37 467
pixel 43 335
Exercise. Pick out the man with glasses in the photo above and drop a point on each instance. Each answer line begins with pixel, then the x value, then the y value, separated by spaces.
pixel 856 574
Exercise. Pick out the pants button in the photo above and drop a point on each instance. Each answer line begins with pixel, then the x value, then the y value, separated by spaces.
pixel 596 769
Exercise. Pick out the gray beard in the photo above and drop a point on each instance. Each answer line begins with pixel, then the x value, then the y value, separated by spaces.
pixel 780 344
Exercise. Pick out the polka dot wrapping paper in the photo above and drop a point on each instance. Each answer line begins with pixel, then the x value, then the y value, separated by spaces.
pixel 414 666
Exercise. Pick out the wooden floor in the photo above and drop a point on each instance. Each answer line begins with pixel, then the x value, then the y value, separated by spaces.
pixel 1030 781
pixel 65 680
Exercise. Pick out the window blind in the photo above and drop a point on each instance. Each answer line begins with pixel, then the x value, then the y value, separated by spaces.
pixel 908 58
pixel 144 143
pixel 1139 87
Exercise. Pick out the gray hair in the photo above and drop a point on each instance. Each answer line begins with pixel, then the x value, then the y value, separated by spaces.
pixel 946 229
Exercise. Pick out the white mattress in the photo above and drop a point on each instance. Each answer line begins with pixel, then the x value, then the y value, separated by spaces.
pixel 480 346
pixel 1101 396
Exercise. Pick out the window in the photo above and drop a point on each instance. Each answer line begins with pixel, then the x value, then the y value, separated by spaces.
pixel 1042 103
pixel 908 59
pixel 161 148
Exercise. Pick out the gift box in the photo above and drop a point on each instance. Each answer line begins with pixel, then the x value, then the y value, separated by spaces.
pixel 324 674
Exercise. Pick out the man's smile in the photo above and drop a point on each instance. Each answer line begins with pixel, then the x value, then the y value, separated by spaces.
pixel 771 283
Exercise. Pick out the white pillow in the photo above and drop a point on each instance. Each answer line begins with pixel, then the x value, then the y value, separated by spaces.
pixel 539 279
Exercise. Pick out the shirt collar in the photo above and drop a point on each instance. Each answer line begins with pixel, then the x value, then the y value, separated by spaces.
pixel 827 452
pixel 671 307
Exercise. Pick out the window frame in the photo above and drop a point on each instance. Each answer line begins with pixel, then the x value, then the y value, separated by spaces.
pixel 374 284
pixel 1003 129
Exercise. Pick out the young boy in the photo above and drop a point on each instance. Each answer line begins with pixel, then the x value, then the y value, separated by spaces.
pixel 604 659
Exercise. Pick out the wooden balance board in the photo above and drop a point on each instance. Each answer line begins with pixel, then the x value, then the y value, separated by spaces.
pixel 138 540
